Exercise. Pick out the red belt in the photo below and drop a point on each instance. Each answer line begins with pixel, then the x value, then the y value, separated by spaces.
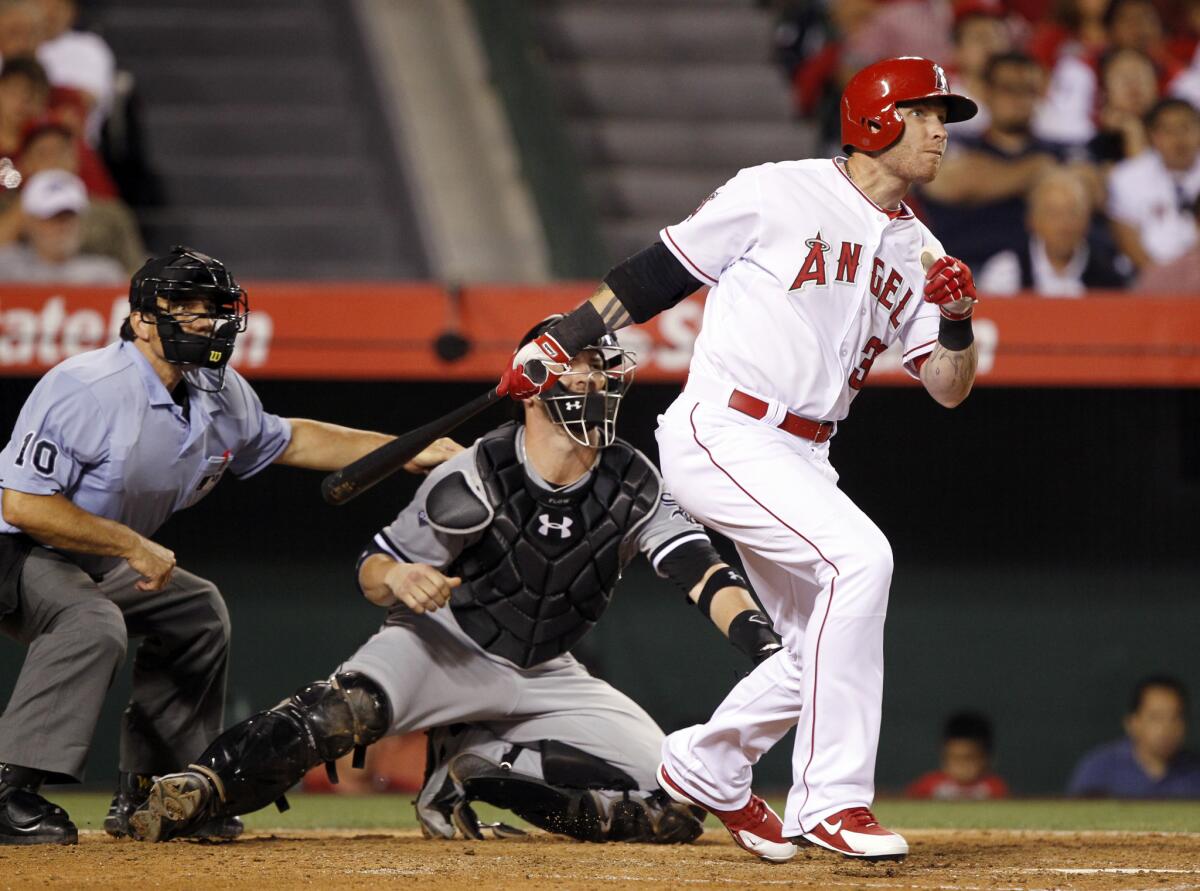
pixel 817 431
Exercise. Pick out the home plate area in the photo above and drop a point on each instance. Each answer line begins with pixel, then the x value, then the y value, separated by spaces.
pixel 940 859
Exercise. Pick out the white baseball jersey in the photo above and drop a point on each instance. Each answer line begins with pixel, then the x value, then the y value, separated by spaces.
pixel 810 281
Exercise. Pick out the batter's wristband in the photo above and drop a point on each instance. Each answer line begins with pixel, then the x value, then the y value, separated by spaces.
pixel 752 634
pixel 725 577
pixel 578 330
pixel 955 334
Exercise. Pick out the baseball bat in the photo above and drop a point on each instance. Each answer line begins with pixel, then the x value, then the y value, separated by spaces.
pixel 358 476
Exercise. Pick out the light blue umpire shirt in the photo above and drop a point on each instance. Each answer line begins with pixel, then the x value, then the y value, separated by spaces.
pixel 102 429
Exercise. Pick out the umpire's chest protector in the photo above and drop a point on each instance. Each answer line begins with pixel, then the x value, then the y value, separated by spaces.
pixel 543 570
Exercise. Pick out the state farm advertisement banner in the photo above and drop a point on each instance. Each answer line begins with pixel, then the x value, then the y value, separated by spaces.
pixel 392 332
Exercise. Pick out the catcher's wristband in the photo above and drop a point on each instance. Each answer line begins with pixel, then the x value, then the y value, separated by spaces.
pixel 955 334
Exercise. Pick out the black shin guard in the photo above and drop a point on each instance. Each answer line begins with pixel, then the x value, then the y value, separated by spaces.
pixel 565 765
pixel 255 762
pixel 575 796
pixel 577 813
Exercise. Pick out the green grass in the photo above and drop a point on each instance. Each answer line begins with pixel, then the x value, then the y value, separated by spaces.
pixel 87 809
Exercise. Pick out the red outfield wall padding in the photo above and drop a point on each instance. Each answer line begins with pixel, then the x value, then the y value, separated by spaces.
pixel 387 331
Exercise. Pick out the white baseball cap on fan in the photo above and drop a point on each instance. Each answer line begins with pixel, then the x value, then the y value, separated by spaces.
pixel 51 192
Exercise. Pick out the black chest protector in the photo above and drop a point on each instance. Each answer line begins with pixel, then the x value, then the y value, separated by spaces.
pixel 544 568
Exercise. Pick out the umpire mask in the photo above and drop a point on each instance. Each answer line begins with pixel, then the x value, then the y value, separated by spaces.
pixel 196 289
pixel 585 403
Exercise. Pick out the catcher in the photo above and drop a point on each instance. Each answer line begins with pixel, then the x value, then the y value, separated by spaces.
pixel 506 557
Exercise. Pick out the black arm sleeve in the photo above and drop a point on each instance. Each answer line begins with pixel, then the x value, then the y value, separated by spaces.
pixel 650 281
pixel 686 564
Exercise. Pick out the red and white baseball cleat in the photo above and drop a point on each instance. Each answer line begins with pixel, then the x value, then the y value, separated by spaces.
pixel 755 827
pixel 854 832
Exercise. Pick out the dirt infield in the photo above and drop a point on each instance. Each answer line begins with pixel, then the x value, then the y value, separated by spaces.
pixel 958 860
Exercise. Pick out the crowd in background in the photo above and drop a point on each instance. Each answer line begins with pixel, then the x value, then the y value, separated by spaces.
pixel 1082 169
pixel 1150 761
pixel 62 218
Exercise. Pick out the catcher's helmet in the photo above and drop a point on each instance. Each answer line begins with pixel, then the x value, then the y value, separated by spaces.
pixel 590 417
pixel 870 120
pixel 186 275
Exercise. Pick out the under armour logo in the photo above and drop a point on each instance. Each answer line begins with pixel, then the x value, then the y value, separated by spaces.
pixel 563 528
pixel 574 405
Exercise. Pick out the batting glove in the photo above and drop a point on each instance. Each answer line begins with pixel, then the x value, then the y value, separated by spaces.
pixel 534 368
pixel 950 285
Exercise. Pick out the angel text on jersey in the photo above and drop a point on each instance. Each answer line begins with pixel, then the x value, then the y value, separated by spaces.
pixel 885 282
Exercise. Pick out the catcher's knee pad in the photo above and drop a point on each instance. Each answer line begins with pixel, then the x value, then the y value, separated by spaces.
pixel 347 711
pixel 258 760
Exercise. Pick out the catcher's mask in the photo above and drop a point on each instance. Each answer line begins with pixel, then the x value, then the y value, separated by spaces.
pixel 194 287
pixel 588 412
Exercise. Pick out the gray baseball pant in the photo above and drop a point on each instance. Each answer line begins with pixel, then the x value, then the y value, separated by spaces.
pixel 77 631
pixel 434 676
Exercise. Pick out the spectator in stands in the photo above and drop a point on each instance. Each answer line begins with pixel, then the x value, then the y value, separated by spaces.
pixel 1151 196
pixel 1150 762
pixel 24 93
pixel 1065 46
pixel 80 60
pixel 977 203
pixel 22 27
pixel 1129 90
pixel 1057 259
pixel 1136 24
pixel 900 28
pixel 52 202
pixel 109 226
pixel 981 31
pixel 966 763
pixel 1186 47
pixel 1180 277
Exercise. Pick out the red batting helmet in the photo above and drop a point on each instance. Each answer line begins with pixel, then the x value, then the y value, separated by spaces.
pixel 870 120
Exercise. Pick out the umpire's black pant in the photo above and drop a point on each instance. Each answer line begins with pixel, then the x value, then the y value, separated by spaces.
pixel 77 630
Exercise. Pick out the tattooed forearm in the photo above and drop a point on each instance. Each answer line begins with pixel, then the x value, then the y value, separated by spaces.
pixel 949 374
pixel 610 308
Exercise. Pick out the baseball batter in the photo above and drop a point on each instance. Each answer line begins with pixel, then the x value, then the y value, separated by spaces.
pixel 505 558
pixel 814 268
pixel 108 446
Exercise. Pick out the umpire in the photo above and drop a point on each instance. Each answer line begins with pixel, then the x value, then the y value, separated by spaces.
pixel 108 446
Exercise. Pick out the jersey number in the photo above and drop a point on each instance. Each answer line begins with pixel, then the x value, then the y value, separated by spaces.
pixel 858 377
pixel 45 453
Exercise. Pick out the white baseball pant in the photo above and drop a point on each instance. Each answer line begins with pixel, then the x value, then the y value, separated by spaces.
pixel 822 570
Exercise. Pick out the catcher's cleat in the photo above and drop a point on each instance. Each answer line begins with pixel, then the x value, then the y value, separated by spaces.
pixel 447 811
pixel 177 805
pixel 578 813
pixel 133 790
pixel 754 827
pixel 585 814
pixel 26 818
pixel 855 833
pixel 654 818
